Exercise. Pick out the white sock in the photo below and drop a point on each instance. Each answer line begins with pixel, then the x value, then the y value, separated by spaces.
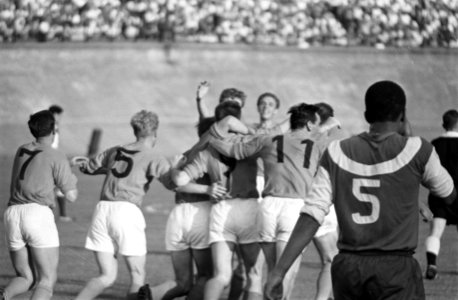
pixel 433 244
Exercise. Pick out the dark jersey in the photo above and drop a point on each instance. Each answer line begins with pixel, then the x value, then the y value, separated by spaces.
pixel 374 184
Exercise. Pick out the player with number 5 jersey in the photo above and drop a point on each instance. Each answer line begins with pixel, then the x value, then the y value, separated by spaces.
pixel 373 179
pixel 118 225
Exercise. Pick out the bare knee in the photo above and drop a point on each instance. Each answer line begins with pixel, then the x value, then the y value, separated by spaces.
pixel 223 277
pixel 106 280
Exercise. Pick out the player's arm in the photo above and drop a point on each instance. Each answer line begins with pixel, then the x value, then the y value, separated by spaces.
pixel 202 90
pixel 215 190
pixel 192 170
pixel 97 165
pixel 239 150
pixel 65 180
pixel 232 124
pixel 438 180
pixel 301 236
pixel 316 207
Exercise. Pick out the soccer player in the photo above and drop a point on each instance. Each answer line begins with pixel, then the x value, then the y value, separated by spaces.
pixel 187 233
pixel 232 221
pixel 373 180
pixel 447 148
pixel 57 112
pixel 118 225
pixel 31 232
pixel 290 161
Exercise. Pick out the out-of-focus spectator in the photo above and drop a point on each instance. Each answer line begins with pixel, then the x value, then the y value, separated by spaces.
pixel 302 23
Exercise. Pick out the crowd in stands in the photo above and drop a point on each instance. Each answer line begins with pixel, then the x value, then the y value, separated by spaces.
pixel 301 23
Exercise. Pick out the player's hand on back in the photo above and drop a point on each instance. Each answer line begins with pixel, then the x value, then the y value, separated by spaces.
pixel 202 89
pixel 79 161
pixel 216 191
pixel 273 289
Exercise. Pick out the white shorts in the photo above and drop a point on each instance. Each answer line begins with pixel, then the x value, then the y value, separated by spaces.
pixel 278 216
pixel 329 223
pixel 117 227
pixel 235 221
pixel 30 224
pixel 187 226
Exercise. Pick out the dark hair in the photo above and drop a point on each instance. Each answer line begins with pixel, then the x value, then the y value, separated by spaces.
pixel 301 114
pixel 204 125
pixel 325 111
pixel 449 119
pixel 227 108
pixel 41 123
pixel 232 93
pixel 271 95
pixel 56 109
pixel 385 101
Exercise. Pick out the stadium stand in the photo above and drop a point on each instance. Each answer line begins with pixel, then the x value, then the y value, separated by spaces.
pixel 376 23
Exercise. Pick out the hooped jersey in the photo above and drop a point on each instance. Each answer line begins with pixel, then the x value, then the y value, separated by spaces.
pixel 37 170
pixel 374 185
pixel 129 171
pixel 290 160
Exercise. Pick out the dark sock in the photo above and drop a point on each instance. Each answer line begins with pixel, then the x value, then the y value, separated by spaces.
pixel 431 258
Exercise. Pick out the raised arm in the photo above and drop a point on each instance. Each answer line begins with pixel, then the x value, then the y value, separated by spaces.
pixel 232 124
pixel 202 90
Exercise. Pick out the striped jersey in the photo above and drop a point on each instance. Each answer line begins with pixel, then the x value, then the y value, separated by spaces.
pixel 37 170
pixel 290 160
pixel 129 171
pixel 374 185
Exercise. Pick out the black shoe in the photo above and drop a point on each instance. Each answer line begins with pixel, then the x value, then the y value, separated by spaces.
pixel 431 272
pixel 144 293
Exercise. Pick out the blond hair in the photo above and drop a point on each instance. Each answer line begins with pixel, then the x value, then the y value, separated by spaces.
pixel 144 123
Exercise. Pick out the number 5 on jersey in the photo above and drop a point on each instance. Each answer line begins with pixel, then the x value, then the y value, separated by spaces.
pixel 122 155
pixel 358 183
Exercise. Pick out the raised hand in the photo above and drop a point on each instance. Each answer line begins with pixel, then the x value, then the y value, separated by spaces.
pixel 202 89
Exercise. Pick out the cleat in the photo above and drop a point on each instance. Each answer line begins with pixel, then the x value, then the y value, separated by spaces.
pixel 431 272
pixel 144 293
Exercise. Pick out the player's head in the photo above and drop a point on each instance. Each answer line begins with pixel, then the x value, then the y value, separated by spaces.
pixel 325 111
pixel 57 111
pixel 304 116
pixel 204 125
pixel 385 102
pixel 268 105
pixel 227 108
pixel 41 124
pixel 450 120
pixel 144 123
pixel 233 95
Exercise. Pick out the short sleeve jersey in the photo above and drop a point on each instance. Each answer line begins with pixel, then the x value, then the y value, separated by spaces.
pixel 129 172
pixel 37 170
pixel 374 184
pixel 290 160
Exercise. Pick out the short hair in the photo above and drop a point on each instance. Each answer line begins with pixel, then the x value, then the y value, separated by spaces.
pixel 385 101
pixel 271 95
pixel 204 125
pixel 227 108
pixel 56 109
pixel 144 123
pixel 42 123
pixel 450 119
pixel 325 111
pixel 232 93
pixel 301 114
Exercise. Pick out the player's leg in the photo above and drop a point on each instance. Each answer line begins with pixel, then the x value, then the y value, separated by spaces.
pixel 46 261
pixel 432 245
pixel 182 267
pixel 270 254
pixel 327 248
pixel 108 269
pixel 24 275
pixel 222 269
pixel 253 261
pixel 136 268
pixel 204 265
pixel 238 279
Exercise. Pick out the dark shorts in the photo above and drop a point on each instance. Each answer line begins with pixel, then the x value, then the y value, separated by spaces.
pixel 444 211
pixel 376 277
